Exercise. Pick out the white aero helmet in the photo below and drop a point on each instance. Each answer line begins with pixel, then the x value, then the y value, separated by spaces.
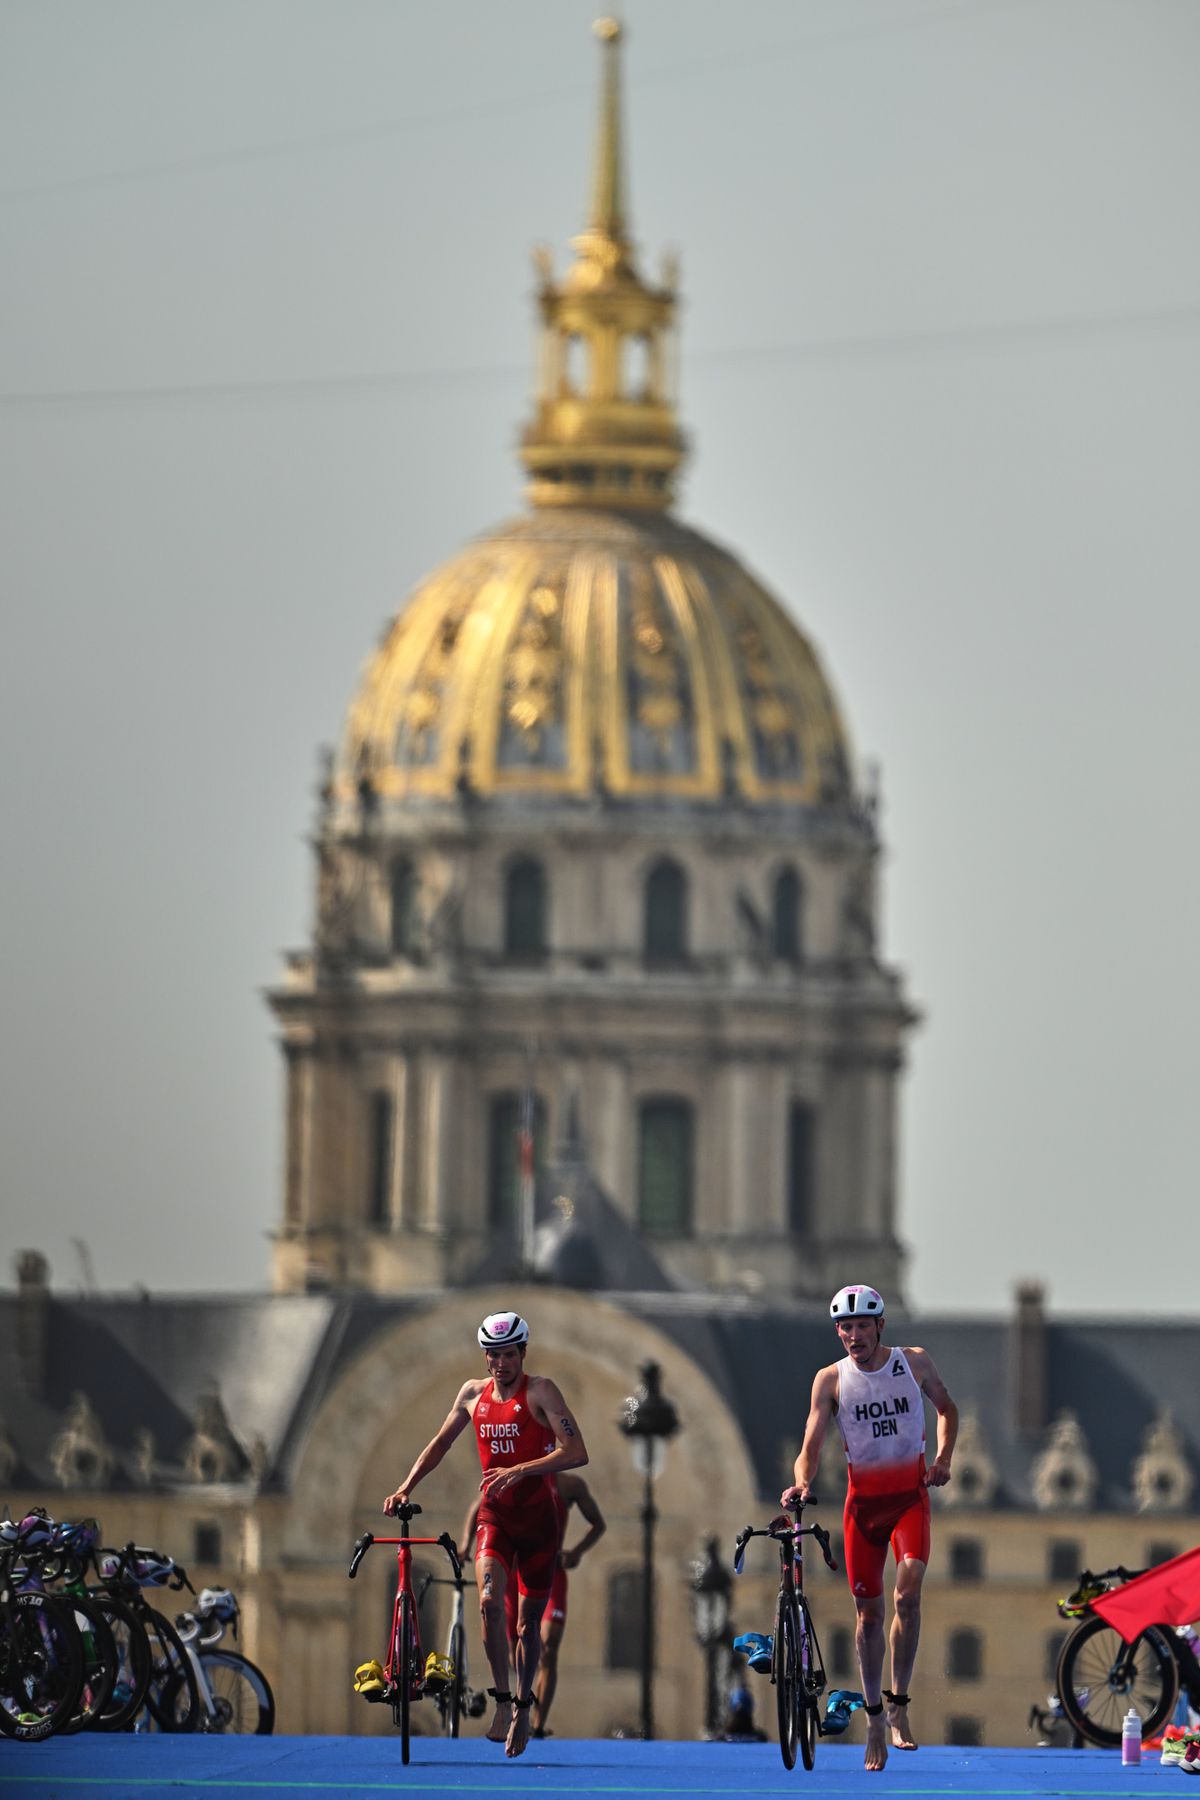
pixel 499 1330
pixel 857 1302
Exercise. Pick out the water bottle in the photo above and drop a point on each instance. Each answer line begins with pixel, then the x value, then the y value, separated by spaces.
pixel 1131 1738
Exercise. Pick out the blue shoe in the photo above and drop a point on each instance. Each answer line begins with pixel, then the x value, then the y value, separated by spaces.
pixel 756 1647
pixel 838 1708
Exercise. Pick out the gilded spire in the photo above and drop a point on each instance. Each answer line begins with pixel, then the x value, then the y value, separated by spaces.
pixel 608 175
pixel 604 431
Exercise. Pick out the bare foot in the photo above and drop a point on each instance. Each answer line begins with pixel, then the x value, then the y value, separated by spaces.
pixel 877 1752
pixel 518 1732
pixel 902 1737
pixel 501 1725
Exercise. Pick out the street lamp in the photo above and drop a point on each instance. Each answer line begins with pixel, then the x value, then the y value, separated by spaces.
pixel 648 1420
pixel 711 1583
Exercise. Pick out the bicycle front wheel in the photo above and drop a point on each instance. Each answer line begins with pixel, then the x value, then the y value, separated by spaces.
pixel 172 1698
pixel 133 1666
pixel 242 1700
pixel 458 1687
pixel 785 1673
pixel 41 1666
pixel 1100 1677
pixel 404 1657
pixel 99 1664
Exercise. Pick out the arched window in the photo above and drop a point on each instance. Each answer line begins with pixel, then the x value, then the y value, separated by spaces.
pixel 666 913
pixel 508 1154
pixel 623 1623
pixel 802 1161
pixel 404 907
pixel 787 938
pixel 964 1655
pixel 665 1167
pixel 525 909
pixel 380 1122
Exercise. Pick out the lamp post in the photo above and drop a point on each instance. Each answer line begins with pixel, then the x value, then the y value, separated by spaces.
pixel 648 1420
pixel 711 1583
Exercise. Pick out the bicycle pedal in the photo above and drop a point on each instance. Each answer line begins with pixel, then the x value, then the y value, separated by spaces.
pixel 369 1681
pixel 439 1670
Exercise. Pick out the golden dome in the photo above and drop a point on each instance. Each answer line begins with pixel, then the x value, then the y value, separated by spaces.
pixel 582 653
pixel 596 646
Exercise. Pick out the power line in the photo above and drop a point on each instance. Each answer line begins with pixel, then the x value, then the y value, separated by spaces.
pixel 1051 330
pixel 204 162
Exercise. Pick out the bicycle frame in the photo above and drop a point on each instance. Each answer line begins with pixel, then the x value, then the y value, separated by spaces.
pixel 405 1590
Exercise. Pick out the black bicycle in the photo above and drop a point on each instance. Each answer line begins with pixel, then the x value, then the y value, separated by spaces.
pixel 1100 1676
pixel 797 1668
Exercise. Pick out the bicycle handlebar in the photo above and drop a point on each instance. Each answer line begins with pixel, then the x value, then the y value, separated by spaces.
pixel 446 1542
pixel 782 1532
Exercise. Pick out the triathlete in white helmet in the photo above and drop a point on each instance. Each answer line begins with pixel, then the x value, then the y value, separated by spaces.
pixel 875 1394
pixel 526 1434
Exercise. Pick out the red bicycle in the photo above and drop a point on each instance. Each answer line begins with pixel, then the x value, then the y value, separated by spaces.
pixel 403 1675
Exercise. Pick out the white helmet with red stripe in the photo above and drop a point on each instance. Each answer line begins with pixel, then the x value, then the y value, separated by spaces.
pixel 499 1330
pixel 857 1302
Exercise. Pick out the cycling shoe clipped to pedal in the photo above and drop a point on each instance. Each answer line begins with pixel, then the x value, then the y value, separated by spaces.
pixel 439 1670
pixel 838 1708
pixel 369 1680
pixel 756 1647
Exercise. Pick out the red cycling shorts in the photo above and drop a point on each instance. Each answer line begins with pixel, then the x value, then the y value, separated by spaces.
pixel 525 1540
pixel 556 1605
pixel 872 1522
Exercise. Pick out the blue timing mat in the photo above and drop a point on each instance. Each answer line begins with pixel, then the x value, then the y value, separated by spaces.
pixel 320 1768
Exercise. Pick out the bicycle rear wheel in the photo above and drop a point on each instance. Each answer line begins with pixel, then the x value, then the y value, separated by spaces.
pixel 458 1687
pixel 785 1673
pixel 241 1695
pixel 404 1656
pixel 1100 1677
pixel 809 1690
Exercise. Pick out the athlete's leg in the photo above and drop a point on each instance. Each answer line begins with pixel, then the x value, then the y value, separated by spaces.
pixel 530 1608
pixel 906 1632
pixel 491 1578
pixel 552 1636
pixel 910 1546
pixel 865 1559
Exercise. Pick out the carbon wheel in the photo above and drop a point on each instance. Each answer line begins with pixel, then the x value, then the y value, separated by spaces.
pixel 785 1672
pixel 1100 1677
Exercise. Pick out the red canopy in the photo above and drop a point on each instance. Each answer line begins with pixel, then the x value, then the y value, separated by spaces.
pixel 1167 1595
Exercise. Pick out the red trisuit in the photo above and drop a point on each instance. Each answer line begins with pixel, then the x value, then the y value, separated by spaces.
pixel 1167 1595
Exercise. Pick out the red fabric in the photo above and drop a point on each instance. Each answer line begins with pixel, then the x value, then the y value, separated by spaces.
pixel 1167 1595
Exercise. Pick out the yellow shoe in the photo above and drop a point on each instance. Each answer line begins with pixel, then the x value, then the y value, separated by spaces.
pixel 368 1680
pixel 439 1670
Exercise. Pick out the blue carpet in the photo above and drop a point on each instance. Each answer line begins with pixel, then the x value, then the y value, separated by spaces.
pixel 279 1768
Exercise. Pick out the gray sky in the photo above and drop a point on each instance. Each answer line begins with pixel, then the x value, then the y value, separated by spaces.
pixel 265 343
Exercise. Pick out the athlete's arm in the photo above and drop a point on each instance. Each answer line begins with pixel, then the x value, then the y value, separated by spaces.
pixel 551 1410
pixel 457 1420
pixel 820 1412
pixel 467 1539
pixel 576 1492
pixel 930 1382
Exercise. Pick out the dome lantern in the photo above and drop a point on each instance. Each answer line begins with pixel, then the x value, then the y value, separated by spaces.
pixel 604 430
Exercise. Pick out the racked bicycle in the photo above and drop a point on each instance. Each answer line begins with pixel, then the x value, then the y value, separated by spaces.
pixel 1101 1677
pixel 797 1668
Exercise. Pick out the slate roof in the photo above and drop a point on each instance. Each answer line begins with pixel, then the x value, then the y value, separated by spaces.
pixel 146 1362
